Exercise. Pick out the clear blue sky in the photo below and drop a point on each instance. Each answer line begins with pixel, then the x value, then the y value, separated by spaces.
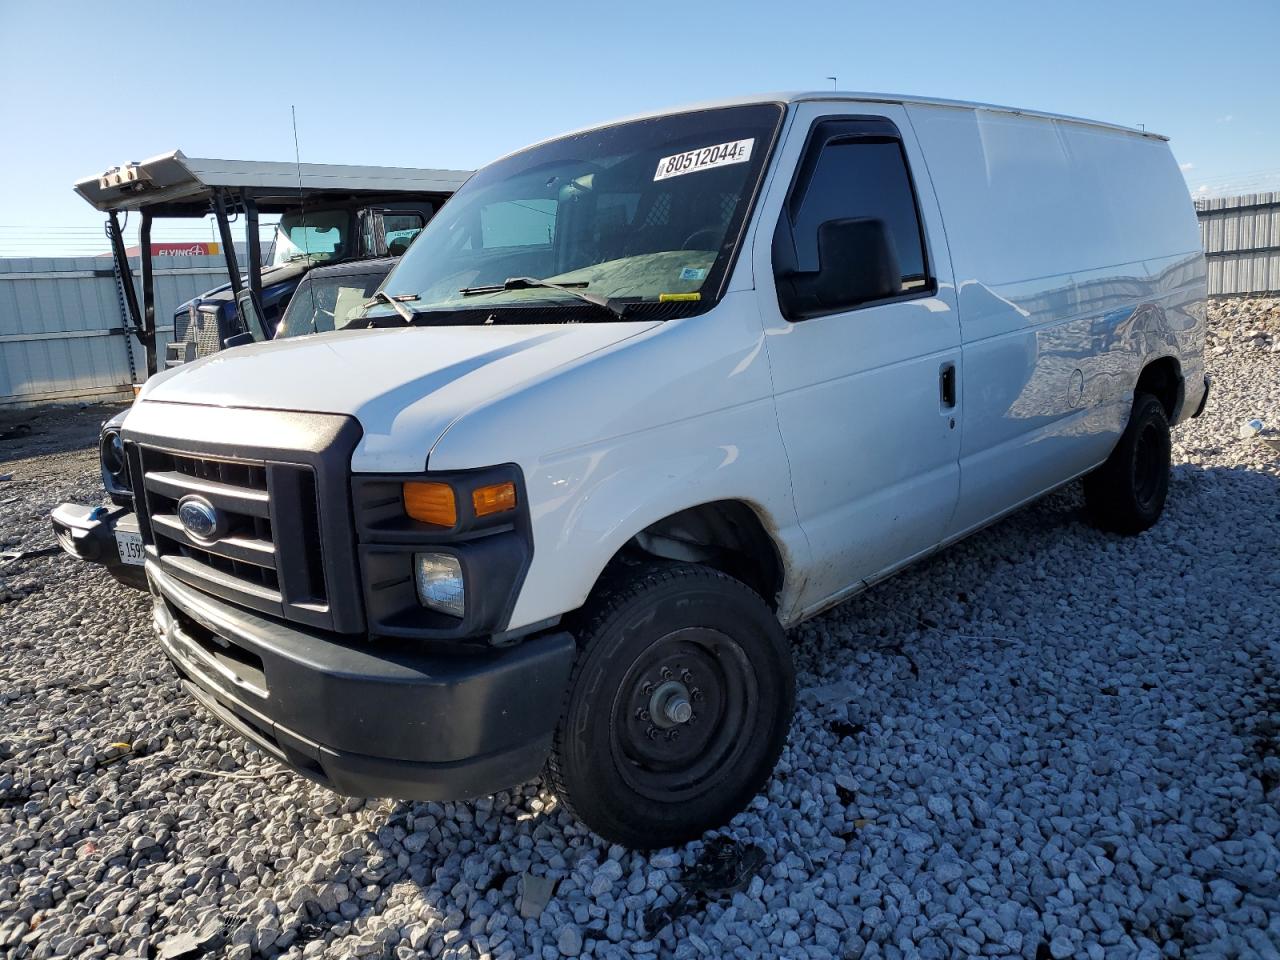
pixel 85 86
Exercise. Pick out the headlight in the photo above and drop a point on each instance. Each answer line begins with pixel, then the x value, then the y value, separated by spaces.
pixel 114 465
pixel 439 580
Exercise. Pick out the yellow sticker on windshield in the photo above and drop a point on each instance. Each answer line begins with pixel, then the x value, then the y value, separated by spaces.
pixel 670 297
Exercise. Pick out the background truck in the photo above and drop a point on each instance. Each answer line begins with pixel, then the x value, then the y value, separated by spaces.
pixel 329 213
pixel 108 534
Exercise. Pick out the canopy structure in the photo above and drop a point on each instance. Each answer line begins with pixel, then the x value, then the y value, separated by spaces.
pixel 175 185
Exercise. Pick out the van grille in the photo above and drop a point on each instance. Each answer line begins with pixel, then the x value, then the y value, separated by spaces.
pixel 245 561
pixel 279 485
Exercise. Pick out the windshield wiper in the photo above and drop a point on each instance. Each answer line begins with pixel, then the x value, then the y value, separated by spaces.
pixel 615 307
pixel 395 302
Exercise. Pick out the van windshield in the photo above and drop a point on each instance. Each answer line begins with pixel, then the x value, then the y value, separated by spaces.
pixel 644 212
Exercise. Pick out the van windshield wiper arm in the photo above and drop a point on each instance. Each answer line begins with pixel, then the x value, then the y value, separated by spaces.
pixel 383 297
pixel 618 309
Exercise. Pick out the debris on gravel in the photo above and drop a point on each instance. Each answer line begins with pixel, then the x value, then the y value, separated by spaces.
pixel 1249 323
pixel 1043 742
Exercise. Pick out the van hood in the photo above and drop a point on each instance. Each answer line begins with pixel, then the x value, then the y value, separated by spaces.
pixel 404 385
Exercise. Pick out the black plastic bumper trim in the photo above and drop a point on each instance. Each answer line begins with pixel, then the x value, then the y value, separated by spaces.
pixel 89 534
pixel 384 719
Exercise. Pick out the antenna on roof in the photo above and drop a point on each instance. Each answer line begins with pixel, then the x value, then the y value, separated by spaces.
pixel 297 163
pixel 833 82
pixel 302 203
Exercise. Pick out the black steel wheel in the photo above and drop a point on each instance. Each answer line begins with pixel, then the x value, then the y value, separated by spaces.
pixel 678 706
pixel 1127 493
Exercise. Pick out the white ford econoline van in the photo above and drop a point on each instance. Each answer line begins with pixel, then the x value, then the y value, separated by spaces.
pixel 641 397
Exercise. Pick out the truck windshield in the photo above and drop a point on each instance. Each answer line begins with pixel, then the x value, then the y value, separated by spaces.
pixel 322 304
pixel 643 212
pixel 318 236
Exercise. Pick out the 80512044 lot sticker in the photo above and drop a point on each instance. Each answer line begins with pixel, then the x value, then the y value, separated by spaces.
pixel 704 158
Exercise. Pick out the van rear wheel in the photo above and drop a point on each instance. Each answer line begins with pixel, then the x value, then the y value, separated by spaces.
pixel 1127 493
pixel 677 708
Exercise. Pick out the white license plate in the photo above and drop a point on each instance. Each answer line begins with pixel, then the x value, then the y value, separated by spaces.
pixel 129 546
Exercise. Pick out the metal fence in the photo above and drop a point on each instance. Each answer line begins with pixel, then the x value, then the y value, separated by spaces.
pixel 63 324
pixel 1241 237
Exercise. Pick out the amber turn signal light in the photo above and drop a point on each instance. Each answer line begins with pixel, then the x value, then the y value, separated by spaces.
pixel 431 503
pixel 495 498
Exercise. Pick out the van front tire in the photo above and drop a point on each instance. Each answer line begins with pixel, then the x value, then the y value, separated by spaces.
pixel 677 708
pixel 1127 493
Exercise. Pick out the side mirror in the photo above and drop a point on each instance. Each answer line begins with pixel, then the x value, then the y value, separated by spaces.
pixel 239 340
pixel 857 264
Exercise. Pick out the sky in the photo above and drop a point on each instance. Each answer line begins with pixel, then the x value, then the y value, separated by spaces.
pixel 84 87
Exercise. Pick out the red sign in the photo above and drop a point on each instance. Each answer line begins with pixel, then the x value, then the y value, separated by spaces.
pixel 198 249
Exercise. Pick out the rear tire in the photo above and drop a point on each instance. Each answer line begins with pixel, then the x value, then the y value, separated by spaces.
pixel 1127 493
pixel 677 708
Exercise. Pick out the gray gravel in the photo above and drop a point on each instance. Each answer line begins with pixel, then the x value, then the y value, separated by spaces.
pixel 1044 742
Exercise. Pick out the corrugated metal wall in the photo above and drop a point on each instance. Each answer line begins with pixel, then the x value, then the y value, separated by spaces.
pixel 62 324
pixel 1241 237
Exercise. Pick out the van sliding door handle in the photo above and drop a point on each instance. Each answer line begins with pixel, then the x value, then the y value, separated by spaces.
pixel 947 376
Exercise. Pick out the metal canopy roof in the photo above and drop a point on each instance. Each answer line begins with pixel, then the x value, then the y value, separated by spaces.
pixel 176 185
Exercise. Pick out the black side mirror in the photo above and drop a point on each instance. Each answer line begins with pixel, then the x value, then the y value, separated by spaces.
pixel 239 340
pixel 857 264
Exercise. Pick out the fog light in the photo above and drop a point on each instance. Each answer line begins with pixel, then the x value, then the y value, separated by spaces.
pixel 439 580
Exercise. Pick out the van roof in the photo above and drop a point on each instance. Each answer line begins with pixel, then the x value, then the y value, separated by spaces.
pixel 844 96
pixel 970 105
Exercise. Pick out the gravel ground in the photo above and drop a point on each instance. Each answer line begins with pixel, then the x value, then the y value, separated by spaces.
pixel 1044 742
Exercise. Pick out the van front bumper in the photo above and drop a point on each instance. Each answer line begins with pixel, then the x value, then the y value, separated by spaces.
pixel 89 534
pixel 366 719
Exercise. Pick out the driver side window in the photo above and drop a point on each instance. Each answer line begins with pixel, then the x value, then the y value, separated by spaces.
pixel 850 233
pixel 863 179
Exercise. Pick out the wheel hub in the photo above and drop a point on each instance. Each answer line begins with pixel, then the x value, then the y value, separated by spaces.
pixel 680 711
pixel 670 704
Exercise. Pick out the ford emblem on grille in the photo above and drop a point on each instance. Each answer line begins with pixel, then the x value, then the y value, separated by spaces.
pixel 199 517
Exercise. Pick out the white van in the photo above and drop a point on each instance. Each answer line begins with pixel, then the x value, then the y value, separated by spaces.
pixel 637 400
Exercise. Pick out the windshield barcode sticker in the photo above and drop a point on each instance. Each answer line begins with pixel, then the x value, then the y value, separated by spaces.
pixel 721 155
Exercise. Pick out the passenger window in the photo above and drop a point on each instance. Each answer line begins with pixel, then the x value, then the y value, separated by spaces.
pixel 518 223
pixel 400 229
pixel 862 178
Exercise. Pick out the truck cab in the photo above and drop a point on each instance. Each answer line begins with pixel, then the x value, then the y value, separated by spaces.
pixel 304 238
pixel 329 213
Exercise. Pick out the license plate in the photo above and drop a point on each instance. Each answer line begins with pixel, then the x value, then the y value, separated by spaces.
pixel 129 546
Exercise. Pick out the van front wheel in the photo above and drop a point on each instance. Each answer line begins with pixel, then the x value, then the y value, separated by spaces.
pixel 1127 493
pixel 677 709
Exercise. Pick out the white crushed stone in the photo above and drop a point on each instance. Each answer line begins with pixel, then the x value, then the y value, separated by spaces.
pixel 1053 742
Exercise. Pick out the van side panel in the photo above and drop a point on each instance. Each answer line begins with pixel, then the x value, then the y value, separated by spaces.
pixel 1077 260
